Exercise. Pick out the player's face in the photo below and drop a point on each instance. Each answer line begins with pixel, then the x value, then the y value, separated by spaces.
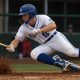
pixel 25 18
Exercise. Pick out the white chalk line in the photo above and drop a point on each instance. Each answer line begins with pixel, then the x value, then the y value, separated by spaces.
pixel 31 77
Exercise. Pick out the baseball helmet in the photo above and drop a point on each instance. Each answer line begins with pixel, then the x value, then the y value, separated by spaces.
pixel 28 9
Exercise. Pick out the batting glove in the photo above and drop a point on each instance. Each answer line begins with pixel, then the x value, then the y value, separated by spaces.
pixel 35 31
pixel 10 48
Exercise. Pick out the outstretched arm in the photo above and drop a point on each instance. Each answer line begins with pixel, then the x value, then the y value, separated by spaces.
pixel 13 45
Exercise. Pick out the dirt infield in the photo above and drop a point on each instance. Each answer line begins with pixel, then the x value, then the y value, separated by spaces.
pixel 41 76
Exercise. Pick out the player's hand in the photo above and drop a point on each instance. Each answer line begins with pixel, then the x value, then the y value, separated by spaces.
pixel 35 31
pixel 10 48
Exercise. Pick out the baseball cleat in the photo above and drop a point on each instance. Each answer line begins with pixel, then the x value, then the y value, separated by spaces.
pixel 74 68
pixel 63 64
pixel 66 66
pixel 71 67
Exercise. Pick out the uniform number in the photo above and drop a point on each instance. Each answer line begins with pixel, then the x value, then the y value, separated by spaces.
pixel 45 34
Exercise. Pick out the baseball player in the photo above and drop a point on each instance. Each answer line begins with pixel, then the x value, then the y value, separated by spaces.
pixel 42 29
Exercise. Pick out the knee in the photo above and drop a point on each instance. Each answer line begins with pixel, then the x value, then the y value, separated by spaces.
pixel 72 53
pixel 34 54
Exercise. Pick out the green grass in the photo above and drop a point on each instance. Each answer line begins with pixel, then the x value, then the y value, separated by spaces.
pixel 37 67
pixel 33 67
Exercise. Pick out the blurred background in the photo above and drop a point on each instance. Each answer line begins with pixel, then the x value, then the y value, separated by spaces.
pixel 66 14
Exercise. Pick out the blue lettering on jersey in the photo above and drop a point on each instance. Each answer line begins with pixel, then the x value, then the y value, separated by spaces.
pixel 45 34
pixel 32 36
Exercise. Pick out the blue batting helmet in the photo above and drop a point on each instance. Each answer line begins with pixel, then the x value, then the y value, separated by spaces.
pixel 28 9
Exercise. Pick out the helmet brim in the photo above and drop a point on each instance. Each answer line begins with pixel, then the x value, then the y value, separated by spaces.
pixel 21 14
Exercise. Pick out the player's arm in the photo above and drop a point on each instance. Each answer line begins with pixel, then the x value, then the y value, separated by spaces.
pixel 13 45
pixel 18 38
pixel 48 27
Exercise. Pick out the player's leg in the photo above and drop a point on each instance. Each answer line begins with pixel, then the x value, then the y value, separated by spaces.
pixel 41 53
pixel 61 44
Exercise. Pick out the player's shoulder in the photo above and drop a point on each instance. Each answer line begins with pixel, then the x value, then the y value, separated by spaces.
pixel 22 27
pixel 42 16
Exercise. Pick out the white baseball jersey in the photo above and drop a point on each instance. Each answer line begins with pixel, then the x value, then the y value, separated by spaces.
pixel 41 21
pixel 57 43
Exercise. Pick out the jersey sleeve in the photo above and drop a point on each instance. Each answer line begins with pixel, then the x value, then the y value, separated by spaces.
pixel 20 34
pixel 46 20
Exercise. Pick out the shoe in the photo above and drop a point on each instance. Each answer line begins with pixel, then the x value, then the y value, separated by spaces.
pixel 66 66
pixel 63 64
pixel 74 68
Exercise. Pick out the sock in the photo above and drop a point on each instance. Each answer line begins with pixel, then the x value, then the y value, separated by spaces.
pixel 56 60
pixel 46 59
